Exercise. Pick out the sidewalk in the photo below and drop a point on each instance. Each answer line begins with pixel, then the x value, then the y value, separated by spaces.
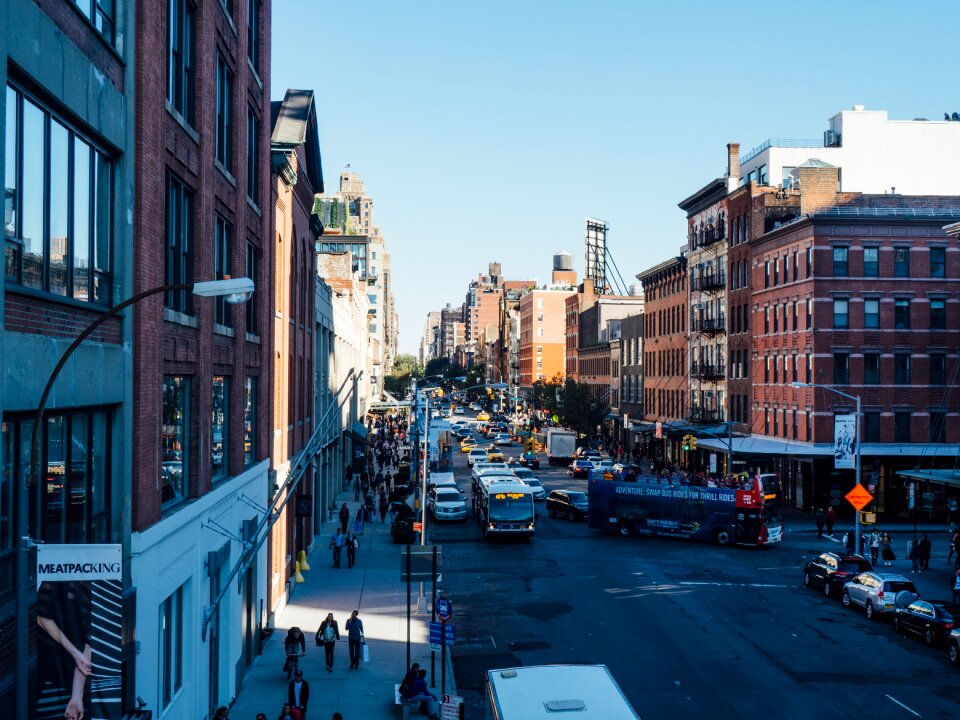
pixel 373 587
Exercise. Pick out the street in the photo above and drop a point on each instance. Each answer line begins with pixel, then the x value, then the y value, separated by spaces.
pixel 689 630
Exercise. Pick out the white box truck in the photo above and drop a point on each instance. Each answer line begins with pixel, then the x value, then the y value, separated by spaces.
pixel 586 692
pixel 561 445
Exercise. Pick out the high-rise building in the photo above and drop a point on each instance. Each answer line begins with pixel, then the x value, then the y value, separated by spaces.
pixel 430 340
pixel 542 330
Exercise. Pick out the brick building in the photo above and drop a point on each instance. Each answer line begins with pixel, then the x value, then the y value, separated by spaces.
pixel 665 351
pixel 631 376
pixel 542 343
pixel 203 369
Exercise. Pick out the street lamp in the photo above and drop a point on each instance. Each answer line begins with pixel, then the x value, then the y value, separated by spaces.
pixel 856 435
pixel 233 291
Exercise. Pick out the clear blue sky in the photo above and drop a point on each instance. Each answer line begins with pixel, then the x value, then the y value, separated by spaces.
pixel 488 131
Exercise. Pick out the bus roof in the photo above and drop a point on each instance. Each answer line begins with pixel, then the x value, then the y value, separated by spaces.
pixel 504 483
pixel 544 691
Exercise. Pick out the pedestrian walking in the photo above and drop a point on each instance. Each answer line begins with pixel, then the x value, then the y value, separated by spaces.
pixel 327 635
pixel 356 490
pixel 354 629
pixel 287 713
pixel 886 549
pixel 954 546
pixel 344 517
pixel 914 556
pixel 956 586
pixel 298 693
pixel 874 546
pixel 383 507
pixel 336 544
pixel 351 542
pixel 221 713
pixel 831 517
pixel 925 552
pixel 820 519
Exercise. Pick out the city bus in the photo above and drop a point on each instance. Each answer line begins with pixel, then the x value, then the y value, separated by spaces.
pixel 749 514
pixel 503 506
pixel 584 692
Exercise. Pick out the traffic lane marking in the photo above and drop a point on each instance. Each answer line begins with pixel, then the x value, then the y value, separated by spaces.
pixel 735 584
pixel 908 709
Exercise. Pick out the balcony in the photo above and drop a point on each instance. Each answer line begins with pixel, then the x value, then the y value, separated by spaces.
pixel 701 414
pixel 710 281
pixel 712 235
pixel 709 326
pixel 708 372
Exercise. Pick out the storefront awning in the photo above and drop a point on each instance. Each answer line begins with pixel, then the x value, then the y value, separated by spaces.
pixel 944 477
pixel 758 445
pixel 357 431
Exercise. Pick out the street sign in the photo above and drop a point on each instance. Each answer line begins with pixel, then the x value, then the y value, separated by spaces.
pixel 441 634
pixel 659 431
pixel 421 562
pixel 444 608
pixel 859 497
pixel 418 527
pixel 450 707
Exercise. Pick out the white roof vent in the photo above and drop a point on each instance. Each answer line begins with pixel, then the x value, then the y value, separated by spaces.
pixel 553 706
pixel 858 108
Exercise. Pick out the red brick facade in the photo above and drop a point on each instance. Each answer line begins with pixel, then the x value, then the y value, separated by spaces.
pixel 665 384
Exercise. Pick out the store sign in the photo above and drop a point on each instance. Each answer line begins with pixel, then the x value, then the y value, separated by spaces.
pixel 79 614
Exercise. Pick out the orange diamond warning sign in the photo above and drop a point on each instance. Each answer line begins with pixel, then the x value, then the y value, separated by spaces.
pixel 859 497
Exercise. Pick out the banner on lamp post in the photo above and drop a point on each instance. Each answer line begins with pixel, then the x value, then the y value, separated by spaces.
pixel 79 618
pixel 844 441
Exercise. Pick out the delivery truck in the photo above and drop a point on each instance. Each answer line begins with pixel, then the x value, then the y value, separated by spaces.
pixel 561 445
pixel 586 692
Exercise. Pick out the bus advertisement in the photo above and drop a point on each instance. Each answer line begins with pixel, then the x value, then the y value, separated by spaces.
pixel 744 514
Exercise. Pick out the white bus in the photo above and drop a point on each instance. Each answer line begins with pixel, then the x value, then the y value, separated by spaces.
pixel 503 506
pixel 586 692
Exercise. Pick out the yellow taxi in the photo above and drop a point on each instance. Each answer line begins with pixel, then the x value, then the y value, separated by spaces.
pixel 495 456
pixel 467 445
pixel 483 417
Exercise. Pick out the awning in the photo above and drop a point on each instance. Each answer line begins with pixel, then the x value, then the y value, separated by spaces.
pixel 758 445
pixel 944 477
pixel 910 450
pixel 357 431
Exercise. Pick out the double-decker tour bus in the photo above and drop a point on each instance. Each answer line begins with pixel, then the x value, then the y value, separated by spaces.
pixel 749 513
pixel 503 506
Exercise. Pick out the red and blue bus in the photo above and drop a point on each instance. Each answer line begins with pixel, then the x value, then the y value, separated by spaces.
pixel 748 514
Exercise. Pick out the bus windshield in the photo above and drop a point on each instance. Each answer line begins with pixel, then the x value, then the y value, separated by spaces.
pixel 511 510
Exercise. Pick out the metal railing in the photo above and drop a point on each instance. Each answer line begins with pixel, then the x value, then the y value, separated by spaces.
pixel 779 142
pixel 709 325
pixel 708 371
pixel 710 281
pixel 700 414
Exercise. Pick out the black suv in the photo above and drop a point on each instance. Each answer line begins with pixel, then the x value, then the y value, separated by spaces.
pixel 569 503
pixel 830 571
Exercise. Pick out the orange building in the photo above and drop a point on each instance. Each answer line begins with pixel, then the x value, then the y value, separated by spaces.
pixel 542 335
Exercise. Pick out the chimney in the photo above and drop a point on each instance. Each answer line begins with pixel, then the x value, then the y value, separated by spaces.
pixel 733 161
pixel 819 182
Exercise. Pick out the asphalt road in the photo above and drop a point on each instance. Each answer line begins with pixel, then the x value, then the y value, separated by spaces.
pixel 689 630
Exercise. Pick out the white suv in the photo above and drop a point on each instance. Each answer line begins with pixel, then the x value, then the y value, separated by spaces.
pixel 877 592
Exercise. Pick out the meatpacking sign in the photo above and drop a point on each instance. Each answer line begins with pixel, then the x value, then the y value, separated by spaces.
pixel 60 563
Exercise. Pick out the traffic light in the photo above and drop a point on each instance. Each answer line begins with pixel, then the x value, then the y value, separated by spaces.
pixel 531 445
pixel 687 443
pixel 693 442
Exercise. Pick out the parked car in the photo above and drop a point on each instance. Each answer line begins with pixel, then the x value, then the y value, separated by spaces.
pixel 876 592
pixel 477 454
pixel 442 481
pixel 527 478
pixel 933 621
pixel 599 464
pixel 580 468
pixel 401 529
pixel 503 439
pixel 569 503
pixel 445 503
pixel 483 417
pixel 953 646
pixel 830 571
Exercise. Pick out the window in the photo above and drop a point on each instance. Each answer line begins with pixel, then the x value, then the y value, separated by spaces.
pixel 179 255
pixel 180 58
pixel 253 156
pixel 871 262
pixel 250 422
pixel 938 314
pixel 809 314
pixel 252 306
pixel 224 114
pixel 227 6
pixel 809 262
pixel 841 317
pixel 938 262
pixel 871 368
pixel 57 206
pixel 100 13
pixel 766 320
pixel 220 427
pixel 766 273
pixel 871 313
pixel 840 261
pixel 901 427
pixel 796 322
pixel 809 377
pixel 762 175
pixel 938 369
pixel 841 369
pixel 221 269
pixel 871 427
pixel 253 34
pixel 776 271
pixel 776 317
pixel 796 266
pixel 901 314
pixel 938 427
pixel 795 365
pixel 901 368
pixel 174 438
pixel 171 647
pixel 901 262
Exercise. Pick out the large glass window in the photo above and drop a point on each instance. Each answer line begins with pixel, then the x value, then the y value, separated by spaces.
pixel 901 368
pixel 179 255
pixel 871 427
pixel 938 427
pixel 871 313
pixel 223 248
pixel 251 307
pixel 841 369
pixel 938 314
pixel 901 262
pixel 224 114
pixel 938 369
pixel 57 204
pixel 840 261
pixel 175 439
pixel 253 156
pixel 901 314
pixel 841 313
pixel 871 368
pixel 100 13
pixel 253 34
pixel 901 427
pixel 171 647
pixel 220 427
pixel 938 262
pixel 250 422
pixel 180 58
pixel 871 262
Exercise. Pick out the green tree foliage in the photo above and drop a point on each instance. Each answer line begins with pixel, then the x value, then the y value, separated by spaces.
pixel 405 367
pixel 579 409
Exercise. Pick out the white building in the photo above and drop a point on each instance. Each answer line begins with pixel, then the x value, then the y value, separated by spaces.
pixel 874 154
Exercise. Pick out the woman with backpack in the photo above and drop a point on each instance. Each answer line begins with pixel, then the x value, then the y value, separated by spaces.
pixel 327 635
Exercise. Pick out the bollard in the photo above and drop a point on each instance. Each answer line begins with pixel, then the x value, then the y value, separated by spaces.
pixel 302 560
pixel 298 578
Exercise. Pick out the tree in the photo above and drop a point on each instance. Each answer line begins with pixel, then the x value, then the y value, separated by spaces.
pixel 437 366
pixel 546 394
pixel 579 409
pixel 405 367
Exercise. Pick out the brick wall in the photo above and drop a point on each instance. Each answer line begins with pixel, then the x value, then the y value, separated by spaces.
pixel 28 314
pixel 665 382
